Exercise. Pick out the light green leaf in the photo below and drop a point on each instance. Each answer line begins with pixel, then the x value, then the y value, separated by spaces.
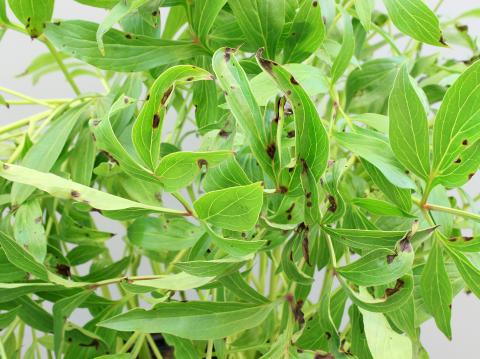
pixel 43 154
pixel 147 130
pixel 261 21
pixel 465 244
pixel 234 247
pixel 306 33
pixel 408 130
pixel 12 291
pixel 203 16
pixel 184 348
pixel 383 341
pixel 33 14
pixel 469 273
pixel 118 12
pixel 380 207
pixel 311 140
pixel 82 158
pixel 310 78
pixel 346 51
pixel 379 154
pixel 364 10
pixel 238 286
pixel 123 52
pixel 177 170
pixel 211 268
pixel 227 174
pixel 234 208
pixel 29 231
pixel 192 320
pixel 241 101
pixel 380 266
pixel 456 133
pixel 402 197
pixel 414 18
pixel 437 290
pixel 65 189
pixel 83 254
pixel 179 281
pixel 163 233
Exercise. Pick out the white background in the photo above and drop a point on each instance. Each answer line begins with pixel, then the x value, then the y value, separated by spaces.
pixel 16 52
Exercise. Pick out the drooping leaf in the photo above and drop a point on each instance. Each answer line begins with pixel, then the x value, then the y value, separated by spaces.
pixel 414 18
pixel 306 33
pixel 147 130
pixel 408 131
pixel 192 320
pixel 456 133
pixel 261 21
pixel 346 51
pixel 436 289
pixel 33 14
pixel 234 208
pixel 123 51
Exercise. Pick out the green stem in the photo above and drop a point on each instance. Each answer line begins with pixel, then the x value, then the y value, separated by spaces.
pixel 184 202
pixel 60 63
pixel 331 251
pixel 209 349
pixel 138 346
pixel 128 344
pixel 387 38
pixel 31 100
pixel 457 212
pixel 23 122
pixel 154 347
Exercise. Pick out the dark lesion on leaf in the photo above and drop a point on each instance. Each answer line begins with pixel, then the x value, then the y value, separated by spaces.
pixel 305 250
pixel 282 189
pixel 271 149
pixel 128 36
pixel 63 270
pixel 458 160
pixel 391 258
pixel 202 162
pixel 391 291
pixel 156 121
pixel 228 53
pixel 75 194
pixel 291 134
pixel 465 142
pixel 223 133
pixel 267 65
pixel 166 95
pixel 333 204
pixel 5 166
pixel 293 81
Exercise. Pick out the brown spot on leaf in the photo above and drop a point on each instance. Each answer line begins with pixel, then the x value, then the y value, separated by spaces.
pixel 315 3
pixel 190 78
pixel 293 80
pixel 298 313
pixel 75 194
pixel 309 204
pixel 63 270
pixel 458 160
pixel 465 142
pixel 202 162
pixel 391 291
pixel 390 258
pixel 166 95
pixel 405 245
pixel 471 175
pixel 5 166
pixel 228 53
pixel 442 41
pixel 156 121
pixel 223 133
pixel 289 217
pixel 288 93
pixel 38 220
pixel 290 209
pixel 291 134
pixel 128 36
pixel 271 149
pixel 306 253
pixel 333 204
pixel 282 189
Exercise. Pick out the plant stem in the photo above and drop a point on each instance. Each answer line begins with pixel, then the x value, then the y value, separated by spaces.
pixel 24 122
pixel 138 346
pixel 458 212
pixel 184 202
pixel 154 347
pixel 128 344
pixel 209 349
pixel 387 38
pixel 26 97
pixel 60 63
pixel 331 251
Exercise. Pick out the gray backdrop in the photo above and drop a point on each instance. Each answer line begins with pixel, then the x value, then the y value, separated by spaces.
pixel 16 52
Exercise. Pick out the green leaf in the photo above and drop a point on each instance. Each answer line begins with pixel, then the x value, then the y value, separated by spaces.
pixel 83 254
pixel 456 132
pixel 211 268
pixel 227 174
pixel 306 33
pixel 123 51
pixel 380 207
pixel 289 266
pixel 310 78
pixel 118 12
pixel 383 341
pixel 192 320
pixel 408 131
pixel 22 259
pixel 404 318
pixel 177 170
pixel 179 281
pixel 29 231
pixel 147 130
pixel 414 18
pixel 65 189
pixel 43 154
pixel 234 208
pixel 379 154
pixel 400 196
pixel 437 290
pixel 11 291
pixel 163 233
pixel 261 21
pixel 8 317
pixel 234 247
pixel 380 266
pixel 203 16
pixel 465 244
pixel 184 348
pixel 469 273
pixel 33 14
pixel 82 158
pixel 238 286
pixel 364 10
pixel 241 101
pixel 346 51
pixel 311 140
pixel 61 311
